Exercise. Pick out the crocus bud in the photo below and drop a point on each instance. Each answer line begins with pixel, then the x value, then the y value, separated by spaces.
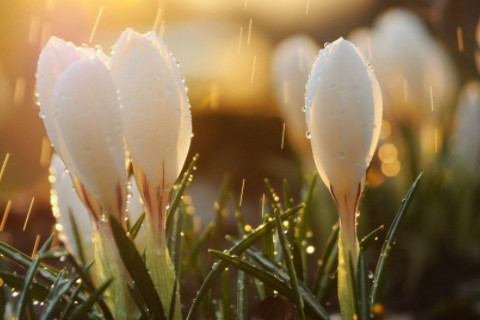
pixel 155 115
pixel 292 61
pixel 87 116
pixel 466 143
pixel 344 113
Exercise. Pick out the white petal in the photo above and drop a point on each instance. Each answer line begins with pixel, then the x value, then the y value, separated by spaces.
pixel 87 113
pixel 345 110
pixel 64 201
pixel 466 143
pixel 292 61
pixel 155 108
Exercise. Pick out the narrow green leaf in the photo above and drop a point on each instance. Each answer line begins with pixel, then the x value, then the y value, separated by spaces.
pixel 88 285
pixel 71 303
pixel 187 178
pixel 202 239
pixel 133 231
pixel 363 303
pixel 56 296
pixel 279 271
pixel 46 272
pixel 32 270
pixel 380 276
pixel 273 196
pixel 371 237
pixel 76 237
pixel 81 312
pixel 291 269
pixel 305 217
pixel 135 266
pixel 173 301
pixel 137 298
pixel 313 310
pixel 37 291
pixel 239 248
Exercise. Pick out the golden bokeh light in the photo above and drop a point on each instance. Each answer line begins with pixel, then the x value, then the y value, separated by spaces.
pixel 391 169
pixel 388 153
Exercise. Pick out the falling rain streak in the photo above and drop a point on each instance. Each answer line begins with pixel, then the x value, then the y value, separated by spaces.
pixel 283 137
pixel 158 18
pixel 241 193
pixel 35 245
pixel 5 215
pixel 249 35
pixel 240 40
pixel 94 30
pixel 436 140
pixel 4 165
pixel 307 7
pixel 28 214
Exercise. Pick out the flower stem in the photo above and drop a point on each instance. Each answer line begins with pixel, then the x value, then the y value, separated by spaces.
pixel 347 269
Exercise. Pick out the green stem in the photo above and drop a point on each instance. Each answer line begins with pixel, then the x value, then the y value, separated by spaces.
pixel 161 269
pixel 347 269
pixel 109 266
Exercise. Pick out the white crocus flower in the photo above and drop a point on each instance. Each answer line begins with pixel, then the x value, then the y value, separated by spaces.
pixel 79 107
pixel 466 143
pixel 87 116
pixel 344 113
pixel 157 126
pixel 292 61
pixel 155 115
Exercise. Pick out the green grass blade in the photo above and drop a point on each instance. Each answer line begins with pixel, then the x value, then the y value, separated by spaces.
pixel 291 269
pixel 278 270
pixel 328 255
pixel 363 303
pixel 76 237
pixel 371 237
pixel 46 272
pixel 314 311
pixel 81 312
pixel 380 276
pixel 88 285
pixel 135 266
pixel 305 218
pixel 238 249
pixel 241 296
pixel 24 298
pixel 57 297
pixel 187 178
pixel 37 291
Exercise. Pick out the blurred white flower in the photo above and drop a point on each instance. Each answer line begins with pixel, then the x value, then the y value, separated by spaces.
pixel 155 115
pixel 64 200
pixel 413 68
pixel 344 113
pixel 292 61
pixel 466 138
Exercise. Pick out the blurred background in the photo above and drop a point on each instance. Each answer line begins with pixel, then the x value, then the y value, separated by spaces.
pixel 426 59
